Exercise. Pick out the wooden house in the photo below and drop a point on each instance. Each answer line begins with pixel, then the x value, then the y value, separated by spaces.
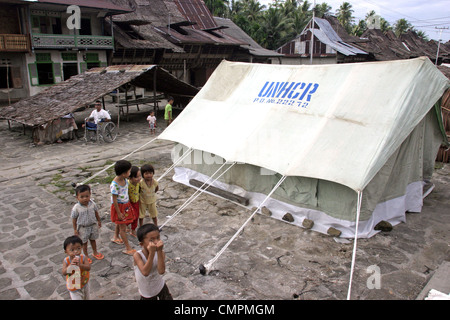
pixel 327 44
pixel 40 48
pixel 179 35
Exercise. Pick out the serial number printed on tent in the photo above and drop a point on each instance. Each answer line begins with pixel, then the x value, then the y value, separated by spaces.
pixel 297 94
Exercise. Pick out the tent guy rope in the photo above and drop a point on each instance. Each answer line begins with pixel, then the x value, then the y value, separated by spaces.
pixel 175 163
pixel 198 192
pixel 188 152
pixel 205 269
pixel 100 172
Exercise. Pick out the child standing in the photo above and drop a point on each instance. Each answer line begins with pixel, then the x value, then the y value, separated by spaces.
pixel 149 265
pixel 76 269
pixel 133 193
pixel 121 210
pixel 152 122
pixel 86 221
pixel 168 111
pixel 147 194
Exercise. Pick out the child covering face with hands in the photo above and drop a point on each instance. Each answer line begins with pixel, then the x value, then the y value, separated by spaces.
pixel 149 265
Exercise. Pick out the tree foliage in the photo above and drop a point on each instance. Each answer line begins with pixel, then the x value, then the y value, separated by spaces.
pixel 283 20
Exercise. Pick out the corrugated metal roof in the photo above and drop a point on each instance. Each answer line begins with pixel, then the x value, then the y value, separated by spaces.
pixel 191 21
pixel 327 35
pixel 248 43
pixel 196 11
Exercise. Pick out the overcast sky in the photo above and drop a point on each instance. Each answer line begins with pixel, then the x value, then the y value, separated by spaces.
pixel 424 15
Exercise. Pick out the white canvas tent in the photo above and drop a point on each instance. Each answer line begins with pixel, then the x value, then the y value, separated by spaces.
pixel 334 131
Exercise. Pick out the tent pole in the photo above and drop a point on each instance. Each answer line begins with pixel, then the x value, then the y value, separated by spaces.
pixel 204 269
pixel 118 108
pixel 155 109
pixel 126 100
pixel 358 213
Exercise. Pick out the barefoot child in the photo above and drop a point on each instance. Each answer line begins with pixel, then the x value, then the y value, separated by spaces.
pixel 149 265
pixel 86 221
pixel 133 193
pixel 76 269
pixel 152 122
pixel 121 209
pixel 147 195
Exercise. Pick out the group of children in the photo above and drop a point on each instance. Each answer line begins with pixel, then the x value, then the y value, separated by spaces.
pixel 133 194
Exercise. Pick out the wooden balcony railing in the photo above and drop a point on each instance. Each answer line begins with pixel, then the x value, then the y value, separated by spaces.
pixel 14 43
pixel 62 41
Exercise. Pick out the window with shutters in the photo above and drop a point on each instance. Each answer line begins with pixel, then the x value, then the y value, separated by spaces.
pixel 46 24
pixel 44 71
pixel 91 60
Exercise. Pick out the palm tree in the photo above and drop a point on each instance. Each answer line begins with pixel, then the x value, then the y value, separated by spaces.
pixel 344 15
pixel 385 25
pixel 299 20
pixel 305 6
pixel 247 15
pixel 253 9
pixel 358 29
pixel 421 34
pixel 402 26
pixel 218 8
pixel 235 7
pixel 321 9
pixel 275 29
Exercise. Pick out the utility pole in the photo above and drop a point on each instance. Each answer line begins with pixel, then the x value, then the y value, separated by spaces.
pixel 439 42
pixel 312 34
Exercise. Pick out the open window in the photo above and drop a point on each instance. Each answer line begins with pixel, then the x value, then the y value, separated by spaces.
pixel 46 25
pixel 85 27
pixel 6 77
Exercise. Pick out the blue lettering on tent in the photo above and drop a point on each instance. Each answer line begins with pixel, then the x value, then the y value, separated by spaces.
pixel 287 93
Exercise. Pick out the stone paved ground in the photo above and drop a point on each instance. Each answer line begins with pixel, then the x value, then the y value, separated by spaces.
pixel 269 260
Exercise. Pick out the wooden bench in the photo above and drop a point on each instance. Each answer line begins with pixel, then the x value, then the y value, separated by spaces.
pixel 220 192
pixel 136 102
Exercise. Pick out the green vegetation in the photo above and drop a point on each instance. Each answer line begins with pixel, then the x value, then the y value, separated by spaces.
pixel 283 20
